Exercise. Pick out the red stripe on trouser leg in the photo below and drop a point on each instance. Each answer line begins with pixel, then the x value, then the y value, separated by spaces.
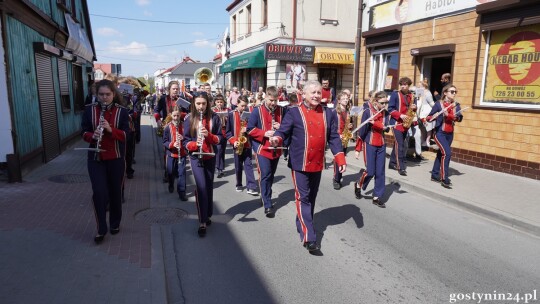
pixel 299 208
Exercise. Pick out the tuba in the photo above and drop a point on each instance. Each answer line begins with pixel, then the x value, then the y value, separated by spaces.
pixel 203 75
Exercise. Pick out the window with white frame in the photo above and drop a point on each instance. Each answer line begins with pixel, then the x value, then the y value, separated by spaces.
pixel 384 69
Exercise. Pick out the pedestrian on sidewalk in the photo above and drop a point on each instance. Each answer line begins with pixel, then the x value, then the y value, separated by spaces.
pixel 173 134
pixel 105 125
pixel 425 104
pixel 372 134
pixel 307 154
pixel 202 132
pixel 445 113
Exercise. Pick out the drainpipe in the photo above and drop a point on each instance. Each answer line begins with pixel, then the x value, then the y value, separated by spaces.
pixel 358 44
pixel 294 3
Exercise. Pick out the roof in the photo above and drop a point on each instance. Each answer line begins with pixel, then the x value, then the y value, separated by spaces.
pixel 232 5
pixel 189 68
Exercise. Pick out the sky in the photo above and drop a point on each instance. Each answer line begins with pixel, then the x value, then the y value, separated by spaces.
pixel 143 47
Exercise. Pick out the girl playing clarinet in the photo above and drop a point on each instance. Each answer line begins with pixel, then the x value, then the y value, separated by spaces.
pixel 444 115
pixel 202 132
pixel 372 135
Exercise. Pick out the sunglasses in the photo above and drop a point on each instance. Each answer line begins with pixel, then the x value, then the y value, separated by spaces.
pixel 452 91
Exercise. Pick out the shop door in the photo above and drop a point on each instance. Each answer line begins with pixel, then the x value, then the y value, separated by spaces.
pixel 331 74
pixel 433 68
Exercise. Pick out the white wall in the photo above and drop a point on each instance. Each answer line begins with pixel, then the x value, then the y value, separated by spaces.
pixel 5 112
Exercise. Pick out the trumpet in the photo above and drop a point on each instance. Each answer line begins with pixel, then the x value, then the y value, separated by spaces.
pixel 200 139
pixel 242 139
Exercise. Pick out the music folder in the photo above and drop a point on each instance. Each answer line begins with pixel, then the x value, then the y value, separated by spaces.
pixel 182 103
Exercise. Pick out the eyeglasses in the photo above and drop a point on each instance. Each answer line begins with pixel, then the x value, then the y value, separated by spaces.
pixel 452 91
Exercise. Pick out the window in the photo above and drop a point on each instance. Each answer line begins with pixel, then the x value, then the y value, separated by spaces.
pixel 384 70
pixel 234 27
pixel 64 85
pixel 265 12
pixel 329 9
pixel 77 87
pixel 248 9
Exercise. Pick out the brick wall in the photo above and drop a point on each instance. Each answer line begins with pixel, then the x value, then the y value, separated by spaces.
pixel 500 140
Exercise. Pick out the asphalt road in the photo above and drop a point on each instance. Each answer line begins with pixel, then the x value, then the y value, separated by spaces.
pixel 417 250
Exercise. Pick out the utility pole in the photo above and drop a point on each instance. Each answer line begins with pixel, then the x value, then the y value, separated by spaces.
pixel 358 43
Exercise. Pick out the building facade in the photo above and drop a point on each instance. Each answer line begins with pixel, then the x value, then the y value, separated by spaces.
pixel 48 51
pixel 492 50
pixel 290 42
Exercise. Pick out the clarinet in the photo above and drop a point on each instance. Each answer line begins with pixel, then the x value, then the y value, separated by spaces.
pixel 199 137
pixel 273 121
pixel 100 128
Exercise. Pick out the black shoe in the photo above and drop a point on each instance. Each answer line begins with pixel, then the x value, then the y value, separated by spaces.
pixel 420 158
pixel 171 188
pixel 182 196
pixel 270 212
pixel 165 179
pixel 402 172
pixel 134 161
pixel 99 238
pixel 201 231
pixel 446 185
pixel 392 167
pixel 435 179
pixel 337 185
pixel 220 174
pixel 432 142
pixel 311 246
pixel 129 175
pixel 357 191
pixel 285 158
pixel 208 222
pixel 115 231
pixel 377 202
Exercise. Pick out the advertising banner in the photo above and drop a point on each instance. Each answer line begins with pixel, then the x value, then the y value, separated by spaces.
pixel 289 52
pixel 512 76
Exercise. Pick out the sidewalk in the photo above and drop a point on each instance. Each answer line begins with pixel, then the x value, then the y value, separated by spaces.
pixel 507 199
pixel 47 228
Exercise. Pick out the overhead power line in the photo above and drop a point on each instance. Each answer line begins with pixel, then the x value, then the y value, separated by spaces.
pixel 170 22
pixel 164 45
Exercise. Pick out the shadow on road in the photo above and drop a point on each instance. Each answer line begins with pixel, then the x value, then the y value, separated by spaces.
pixel 336 216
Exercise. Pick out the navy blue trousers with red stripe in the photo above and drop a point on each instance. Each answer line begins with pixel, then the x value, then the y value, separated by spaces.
pixel 397 158
pixel 375 159
pixel 306 185
pixel 267 168
pixel 244 163
pixel 176 167
pixel 442 161
pixel 220 155
pixel 107 178
pixel 338 175
pixel 204 182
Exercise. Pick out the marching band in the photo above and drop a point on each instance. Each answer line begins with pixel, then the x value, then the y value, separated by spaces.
pixel 195 128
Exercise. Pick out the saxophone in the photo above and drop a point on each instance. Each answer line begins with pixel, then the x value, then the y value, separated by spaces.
pixel 242 139
pixel 346 135
pixel 165 122
pixel 407 122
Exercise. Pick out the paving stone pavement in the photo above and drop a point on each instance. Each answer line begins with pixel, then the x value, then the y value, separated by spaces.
pixel 47 228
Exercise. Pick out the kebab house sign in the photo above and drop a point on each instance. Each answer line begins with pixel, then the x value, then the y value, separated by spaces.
pixel 513 68
pixel 289 52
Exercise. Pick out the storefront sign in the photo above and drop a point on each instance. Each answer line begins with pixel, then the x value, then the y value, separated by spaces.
pixel 512 77
pixel 403 11
pixel 334 55
pixel 288 52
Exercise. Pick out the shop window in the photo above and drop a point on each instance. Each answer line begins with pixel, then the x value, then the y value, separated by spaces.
pixel 511 76
pixel 384 70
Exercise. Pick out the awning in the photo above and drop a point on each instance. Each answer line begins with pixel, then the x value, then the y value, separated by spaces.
pixel 334 55
pixel 251 60
pixel 78 41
